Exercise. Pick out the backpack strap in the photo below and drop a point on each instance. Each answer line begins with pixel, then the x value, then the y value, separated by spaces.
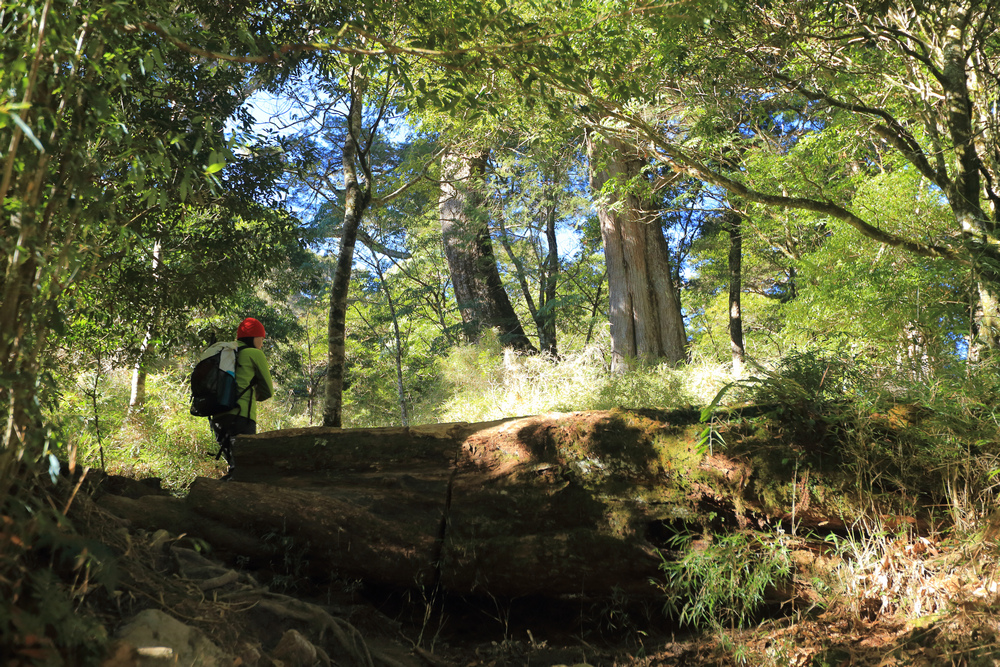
pixel 253 381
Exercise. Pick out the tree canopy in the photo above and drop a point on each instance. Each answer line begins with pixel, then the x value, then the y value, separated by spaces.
pixel 133 155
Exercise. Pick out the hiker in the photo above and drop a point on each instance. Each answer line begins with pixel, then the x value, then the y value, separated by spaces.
pixel 253 382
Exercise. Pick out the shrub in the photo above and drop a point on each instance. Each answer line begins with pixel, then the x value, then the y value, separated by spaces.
pixel 161 439
pixel 726 581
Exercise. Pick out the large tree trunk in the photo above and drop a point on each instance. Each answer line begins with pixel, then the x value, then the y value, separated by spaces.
pixel 481 298
pixel 645 310
pixel 357 196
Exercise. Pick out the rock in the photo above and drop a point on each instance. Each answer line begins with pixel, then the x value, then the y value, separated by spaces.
pixel 250 656
pixel 121 654
pixel 295 650
pixel 159 538
pixel 160 640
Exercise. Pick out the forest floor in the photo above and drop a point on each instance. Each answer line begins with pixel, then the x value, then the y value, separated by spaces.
pixel 829 639
pixel 407 632
pixel 492 633
pixel 919 601
pixel 963 637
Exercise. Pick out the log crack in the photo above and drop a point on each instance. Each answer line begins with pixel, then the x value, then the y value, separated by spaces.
pixel 442 533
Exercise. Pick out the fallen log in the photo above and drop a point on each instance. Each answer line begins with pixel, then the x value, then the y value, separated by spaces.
pixel 560 505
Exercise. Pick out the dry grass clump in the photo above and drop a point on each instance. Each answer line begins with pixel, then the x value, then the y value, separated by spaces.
pixel 914 577
pixel 490 383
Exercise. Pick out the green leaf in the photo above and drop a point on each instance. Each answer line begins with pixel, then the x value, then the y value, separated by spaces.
pixel 709 410
pixel 27 132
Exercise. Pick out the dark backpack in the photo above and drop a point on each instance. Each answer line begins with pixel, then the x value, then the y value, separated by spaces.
pixel 213 380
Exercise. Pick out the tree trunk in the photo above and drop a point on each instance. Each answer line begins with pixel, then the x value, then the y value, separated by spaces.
pixel 988 326
pixel 137 396
pixel 398 339
pixel 543 313
pixel 357 196
pixel 595 305
pixel 733 223
pixel 546 318
pixel 645 311
pixel 481 298
pixel 965 190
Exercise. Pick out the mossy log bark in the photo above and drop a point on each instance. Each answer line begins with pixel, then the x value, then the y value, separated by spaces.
pixel 568 504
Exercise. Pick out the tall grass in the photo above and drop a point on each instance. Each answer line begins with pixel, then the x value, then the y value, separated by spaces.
pixel 160 439
pixel 486 383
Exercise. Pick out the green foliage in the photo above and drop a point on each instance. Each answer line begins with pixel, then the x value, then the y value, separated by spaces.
pixel 161 439
pixel 805 380
pixel 725 581
pixel 809 279
pixel 806 386
pixel 47 604
pixel 48 572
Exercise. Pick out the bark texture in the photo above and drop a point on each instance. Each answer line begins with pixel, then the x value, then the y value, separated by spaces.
pixel 480 294
pixel 645 310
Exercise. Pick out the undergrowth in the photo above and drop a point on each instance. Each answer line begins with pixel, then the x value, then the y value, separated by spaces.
pixel 160 439
pixel 724 581
pixel 486 383
pixel 48 571
pixel 933 445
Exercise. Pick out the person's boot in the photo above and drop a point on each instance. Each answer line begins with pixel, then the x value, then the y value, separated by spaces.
pixel 227 452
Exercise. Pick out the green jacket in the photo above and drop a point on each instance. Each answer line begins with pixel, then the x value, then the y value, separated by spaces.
pixel 251 364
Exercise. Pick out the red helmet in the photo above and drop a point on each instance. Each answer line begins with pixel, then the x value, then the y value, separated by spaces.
pixel 250 328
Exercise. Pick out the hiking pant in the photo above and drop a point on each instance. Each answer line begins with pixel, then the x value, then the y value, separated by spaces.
pixel 226 428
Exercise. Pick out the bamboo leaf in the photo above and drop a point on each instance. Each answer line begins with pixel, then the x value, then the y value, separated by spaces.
pixel 27 132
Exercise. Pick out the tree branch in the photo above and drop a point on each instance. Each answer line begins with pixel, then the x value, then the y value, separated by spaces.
pixel 677 159
pixel 892 131
pixel 380 201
